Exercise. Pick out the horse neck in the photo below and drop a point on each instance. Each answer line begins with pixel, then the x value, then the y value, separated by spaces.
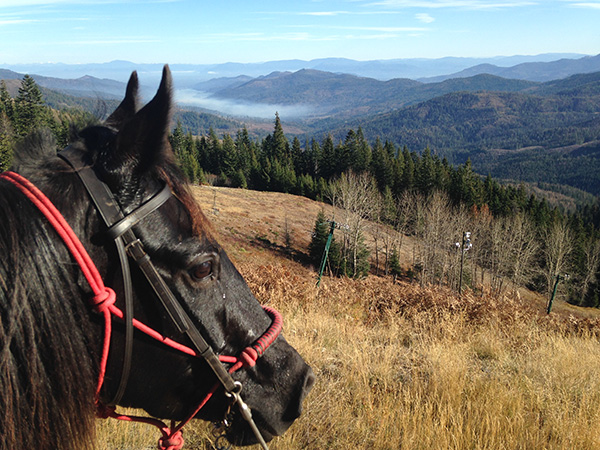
pixel 47 369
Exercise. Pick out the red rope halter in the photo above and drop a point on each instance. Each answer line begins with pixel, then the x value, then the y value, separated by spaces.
pixel 103 302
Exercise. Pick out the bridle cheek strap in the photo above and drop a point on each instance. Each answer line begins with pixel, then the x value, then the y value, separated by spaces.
pixel 103 302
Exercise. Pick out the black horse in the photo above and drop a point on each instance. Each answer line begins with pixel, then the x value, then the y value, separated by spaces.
pixel 51 341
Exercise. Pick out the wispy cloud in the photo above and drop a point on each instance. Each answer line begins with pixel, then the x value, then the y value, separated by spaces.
pixel 13 3
pixel 4 22
pixel 324 13
pixel 591 5
pixel 465 4
pixel 424 17
pixel 372 33
pixel 379 29
pixel 117 41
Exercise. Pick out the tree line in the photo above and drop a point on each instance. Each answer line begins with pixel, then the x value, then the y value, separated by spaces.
pixel 26 112
pixel 518 239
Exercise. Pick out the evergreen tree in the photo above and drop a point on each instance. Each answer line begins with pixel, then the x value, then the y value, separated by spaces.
pixel 327 161
pixel 6 102
pixel 214 151
pixel 176 139
pixel 316 248
pixel 245 151
pixel 362 159
pixel 381 166
pixel 30 111
pixel 425 177
pixel 465 186
pixel 278 146
pixel 314 158
pixel 229 157
pixel 408 174
pixel 238 179
pixel 395 267
pixel 298 157
pixel 6 142
pixel 319 238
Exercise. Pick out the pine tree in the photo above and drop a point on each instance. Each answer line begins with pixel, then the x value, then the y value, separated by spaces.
pixel 229 157
pixel 327 161
pixel 6 142
pixel 408 174
pixel 319 238
pixel 395 267
pixel 425 173
pixel 238 179
pixel 298 157
pixel 316 248
pixel 278 146
pixel 176 139
pixel 245 151
pixel 29 107
pixel 6 102
pixel 381 166
pixel 362 160
pixel 214 152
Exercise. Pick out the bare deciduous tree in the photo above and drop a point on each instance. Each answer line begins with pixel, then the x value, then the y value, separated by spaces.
pixel 524 245
pixel 356 195
pixel 591 261
pixel 558 244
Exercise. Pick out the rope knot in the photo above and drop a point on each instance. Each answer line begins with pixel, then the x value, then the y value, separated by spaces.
pixel 173 442
pixel 249 357
pixel 104 411
pixel 104 300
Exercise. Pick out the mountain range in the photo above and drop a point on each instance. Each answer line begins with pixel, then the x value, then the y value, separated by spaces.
pixel 535 120
pixel 186 75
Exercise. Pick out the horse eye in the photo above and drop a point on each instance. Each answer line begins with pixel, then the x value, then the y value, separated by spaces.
pixel 202 271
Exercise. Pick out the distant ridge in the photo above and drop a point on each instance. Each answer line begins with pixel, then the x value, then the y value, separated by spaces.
pixel 85 86
pixel 186 75
pixel 531 71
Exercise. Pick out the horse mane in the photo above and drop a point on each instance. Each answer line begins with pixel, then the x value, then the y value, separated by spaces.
pixel 47 366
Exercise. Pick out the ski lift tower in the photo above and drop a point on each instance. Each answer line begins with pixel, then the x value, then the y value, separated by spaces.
pixel 332 227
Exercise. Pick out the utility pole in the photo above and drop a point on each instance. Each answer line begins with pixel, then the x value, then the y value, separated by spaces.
pixel 333 226
pixel 558 278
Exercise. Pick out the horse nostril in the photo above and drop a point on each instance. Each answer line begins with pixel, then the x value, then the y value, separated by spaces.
pixel 294 409
pixel 309 382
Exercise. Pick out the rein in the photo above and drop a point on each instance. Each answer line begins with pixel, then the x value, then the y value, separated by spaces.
pixel 103 302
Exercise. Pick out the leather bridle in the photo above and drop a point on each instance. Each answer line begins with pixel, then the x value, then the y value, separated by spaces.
pixel 119 228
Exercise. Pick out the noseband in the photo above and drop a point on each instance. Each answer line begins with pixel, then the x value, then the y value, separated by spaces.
pixel 120 230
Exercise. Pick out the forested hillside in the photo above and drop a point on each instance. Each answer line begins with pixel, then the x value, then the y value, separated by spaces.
pixel 511 129
pixel 548 135
pixel 403 188
pixel 344 96
pixel 400 187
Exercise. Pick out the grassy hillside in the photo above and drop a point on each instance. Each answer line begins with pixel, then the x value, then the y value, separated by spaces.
pixel 400 366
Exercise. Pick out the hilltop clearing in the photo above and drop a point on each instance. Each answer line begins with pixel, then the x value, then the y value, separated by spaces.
pixel 404 366
pixel 252 226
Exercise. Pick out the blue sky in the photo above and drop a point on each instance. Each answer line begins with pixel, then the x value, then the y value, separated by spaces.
pixel 217 31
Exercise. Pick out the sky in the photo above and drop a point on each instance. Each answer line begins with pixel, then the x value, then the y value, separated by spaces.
pixel 219 31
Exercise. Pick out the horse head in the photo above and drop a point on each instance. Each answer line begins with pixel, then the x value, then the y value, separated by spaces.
pixel 131 155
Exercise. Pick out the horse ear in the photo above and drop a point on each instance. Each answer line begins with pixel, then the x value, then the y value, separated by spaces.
pixel 128 107
pixel 144 138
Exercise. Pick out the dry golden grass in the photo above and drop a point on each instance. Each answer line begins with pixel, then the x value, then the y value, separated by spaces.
pixel 404 367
